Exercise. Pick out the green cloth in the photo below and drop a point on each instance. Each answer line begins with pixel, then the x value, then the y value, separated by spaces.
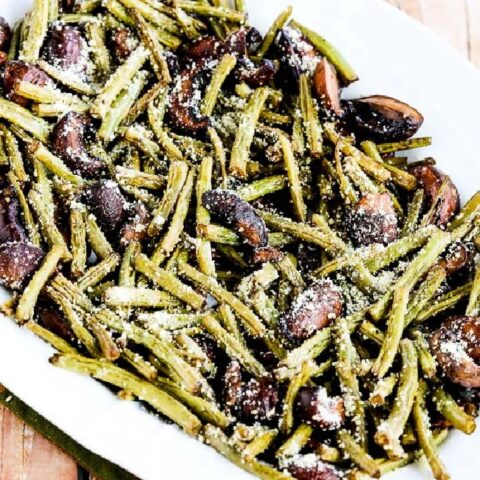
pixel 90 461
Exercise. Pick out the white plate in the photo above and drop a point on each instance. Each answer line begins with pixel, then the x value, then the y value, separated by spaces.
pixel 393 55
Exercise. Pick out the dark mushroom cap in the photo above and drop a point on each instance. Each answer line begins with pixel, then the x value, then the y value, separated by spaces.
pixel 135 228
pixel 69 142
pixel 232 393
pixel 52 319
pixel 202 48
pixel 315 407
pixel 456 346
pixel 372 220
pixel 327 87
pixel 265 255
pixel 310 467
pixel 230 208
pixel 11 228
pixel 107 204
pixel 5 34
pixel 314 309
pixel 382 119
pixel 255 74
pixel 431 180
pixel 260 400
pixel 123 43
pixel 18 262
pixel 65 48
pixel 457 256
pixel 16 72
pixel 254 40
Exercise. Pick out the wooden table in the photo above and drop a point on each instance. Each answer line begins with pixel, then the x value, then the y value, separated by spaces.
pixel 24 454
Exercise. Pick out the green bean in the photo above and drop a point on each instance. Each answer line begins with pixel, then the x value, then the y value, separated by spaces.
pixel 168 282
pixel 404 145
pixel 427 361
pixel 473 303
pixel 219 154
pixel 259 445
pixel 126 274
pixel 360 179
pixel 135 178
pixel 425 436
pixel 383 389
pixel 165 140
pixel 245 132
pixel 118 81
pixel 119 12
pixel 173 234
pixel 469 210
pixel 250 321
pixel 69 80
pixel 448 408
pixel 357 454
pixel 371 332
pixel 141 138
pixel 346 189
pixel 96 238
pixel 161 320
pixel 38 26
pixel 15 41
pixel 311 124
pixel 106 344
pixel 209 11
pixel 98 272
pixel 177 175
pixel 27 301
pixel 141 366
pixel 14 154
pixel 222 70
pixel 389 432
pixel 289 270
pixel 55 341
pixel 125 296
pixel 154 396
pixel 144 102
pixel 272 33
pixel 414 209
pixel 294 444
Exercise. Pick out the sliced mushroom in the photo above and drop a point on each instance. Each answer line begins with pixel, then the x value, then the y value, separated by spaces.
pixel 107 204
pixel 435 184
pixel 327 87
pixel 260 400
pixel 66 48
pixel 233 387
pixel 123 43
pixel 11 229
pixel 255 74
pixel 230 208
pixel 297 56
pixel 317 408
pixel 456 346
pixel 265 255
pixel 18 262
pixel 5 34
pixel 310 467
pixel 52 319
pixel 314 309
pixel 16 72
pixel 236 43
pixel 185 99
pixel 202 48
pixel 457 256
pixel 69 142
pixel 382 119
pixel 135 228
pixel 372 220
pixel 254 40
pixel 172 62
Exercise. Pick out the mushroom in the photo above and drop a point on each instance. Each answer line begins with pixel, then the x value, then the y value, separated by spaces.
pixel 314 309
pixel 66 48
pixel 107 204
pixel 310 467
pixel 435 184
pixel 52 319
pixel 297 56
pixel 327 87
pixel 457 256
pixel 315 407
pixel 18 262
pixel 232 392
pixel 254 40
pixel 230 208
pixel 135 228
pixel 372 220
pixel 202 48
pixel 123 43
pixel 69 142
pixel 11 228
pixel 265 255
pixel 456 346
pixel 382 119
pixel 5 34
pixel 16 72
pixel 255 74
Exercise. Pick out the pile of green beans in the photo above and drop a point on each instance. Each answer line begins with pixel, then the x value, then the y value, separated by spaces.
pixel 163 312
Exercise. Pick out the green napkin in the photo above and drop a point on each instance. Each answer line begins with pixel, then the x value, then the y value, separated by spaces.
pixel 90 461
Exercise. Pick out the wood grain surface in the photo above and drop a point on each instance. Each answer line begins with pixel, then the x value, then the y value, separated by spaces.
pixel 24 454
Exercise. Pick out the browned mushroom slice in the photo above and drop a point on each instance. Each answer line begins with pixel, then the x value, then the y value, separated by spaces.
pixel 69 142
pixel 382 119
pixel 202 48
pixel 123 43
pixel 16 72
pixel 135 228
pixel 315 308
pixel 266 254
pixel 310 467
pixel 439 190
pixel 11 229
pixel 18 262
pixel 230 208
pixel 172 62
pixel 457 256
pixel 260 400
pixel 67 5
pixel 5 34
pixel 53 320
pixel 326 87
pixel 456 346
pixel 372 220
pixel 232 393
pixel 185 99
pixel 255 74
pixel 66 48
pixel 236 43
pixel 297 55
pixel 317 408
pixel 107 204
pixel 254 40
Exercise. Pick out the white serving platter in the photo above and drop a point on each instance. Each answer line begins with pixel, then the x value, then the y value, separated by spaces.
pixel 393 55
